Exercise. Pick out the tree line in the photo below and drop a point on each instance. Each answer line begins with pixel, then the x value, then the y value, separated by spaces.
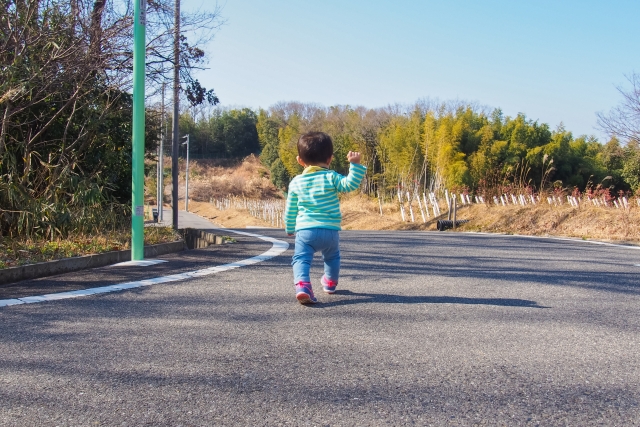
pixel 428 146
pixel 66 108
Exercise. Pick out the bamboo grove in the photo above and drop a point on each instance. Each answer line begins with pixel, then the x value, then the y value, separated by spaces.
pixel 455 146
pixel 429 147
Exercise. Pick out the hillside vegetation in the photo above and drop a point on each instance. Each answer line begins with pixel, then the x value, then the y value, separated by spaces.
pixel 65 142
pixel 362 212
pixel 429 146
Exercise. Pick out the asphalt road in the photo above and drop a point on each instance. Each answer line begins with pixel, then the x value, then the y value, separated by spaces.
pixel 426 329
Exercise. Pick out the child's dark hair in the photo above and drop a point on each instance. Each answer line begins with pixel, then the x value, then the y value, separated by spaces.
pixel 315 148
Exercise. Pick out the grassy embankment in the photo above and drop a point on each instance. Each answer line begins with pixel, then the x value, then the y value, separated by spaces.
pixel 16 252
pixel 250 180
pixel 362 213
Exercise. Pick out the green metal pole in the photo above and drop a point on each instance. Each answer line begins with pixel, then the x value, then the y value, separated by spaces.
pixel 137 189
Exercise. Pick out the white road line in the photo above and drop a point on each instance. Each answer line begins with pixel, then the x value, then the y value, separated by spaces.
pixel 278 247
pixel 566 239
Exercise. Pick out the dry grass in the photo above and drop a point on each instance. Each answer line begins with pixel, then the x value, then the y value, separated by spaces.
pixel 360 212
pixel 247 179
pixel 210 179
pixel 363 213
pixel 587 222
pixel 14 252
pixel 230 218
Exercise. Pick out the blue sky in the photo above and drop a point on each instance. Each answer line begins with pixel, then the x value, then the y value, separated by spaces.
pixel 556 61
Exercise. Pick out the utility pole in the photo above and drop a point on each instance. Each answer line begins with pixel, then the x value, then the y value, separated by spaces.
pixel 186 178
pixel 163 133
pixel 137 184
pixel 176 112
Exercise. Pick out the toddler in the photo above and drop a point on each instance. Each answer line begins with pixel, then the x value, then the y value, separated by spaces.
pixel 313 213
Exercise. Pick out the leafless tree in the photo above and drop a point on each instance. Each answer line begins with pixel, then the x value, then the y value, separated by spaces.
pixel 623 121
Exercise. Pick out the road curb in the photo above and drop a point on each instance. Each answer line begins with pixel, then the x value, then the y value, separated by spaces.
pixel 277 247
pixel 68 265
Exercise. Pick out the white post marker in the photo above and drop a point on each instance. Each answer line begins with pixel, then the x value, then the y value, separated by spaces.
pixel 421 211
pixel 426 205
pixel 186 196
pixel 401 206
pixel 410 207
pixel 436 205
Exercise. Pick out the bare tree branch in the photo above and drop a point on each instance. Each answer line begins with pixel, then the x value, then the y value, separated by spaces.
pixel 623 121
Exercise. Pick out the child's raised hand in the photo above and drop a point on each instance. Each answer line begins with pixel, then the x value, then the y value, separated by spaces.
pixel 353 157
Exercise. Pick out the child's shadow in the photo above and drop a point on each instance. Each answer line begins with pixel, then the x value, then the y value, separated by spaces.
pixel 361 298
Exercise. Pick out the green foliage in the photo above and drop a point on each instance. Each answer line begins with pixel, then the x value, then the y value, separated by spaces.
pixel 279 175
pixel 446 146
pixel 342 144
pixel 269 154
pixel 239 132
pixel 226 134
pixel 631 166
pixel 401 146
pixel 267 129
pixel 65 137
pixel 287 148
pixel 21 251
pixel 65 113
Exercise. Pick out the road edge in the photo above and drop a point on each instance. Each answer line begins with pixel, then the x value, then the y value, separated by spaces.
pixel 277 248
pixel 68 265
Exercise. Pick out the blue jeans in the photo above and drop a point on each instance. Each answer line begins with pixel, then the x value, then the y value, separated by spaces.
pixel 313 240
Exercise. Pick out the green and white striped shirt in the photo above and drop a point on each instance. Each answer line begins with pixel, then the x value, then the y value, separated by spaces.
pixel 312 201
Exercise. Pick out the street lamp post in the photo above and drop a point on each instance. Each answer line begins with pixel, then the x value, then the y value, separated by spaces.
pixel 137 163
pixel 161 160
pixel 176 112
pixel 186 197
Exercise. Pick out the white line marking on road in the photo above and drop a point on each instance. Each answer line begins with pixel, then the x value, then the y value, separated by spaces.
pixel 139 263
pixel 278 247
pixel 566 239
pixel 7 302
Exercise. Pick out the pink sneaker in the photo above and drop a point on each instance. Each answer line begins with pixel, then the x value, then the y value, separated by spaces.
pixel 304 293
pixel 329 286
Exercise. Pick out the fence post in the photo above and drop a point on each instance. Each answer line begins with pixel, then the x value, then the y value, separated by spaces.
pixel 421 211
pixel 401 206
pixel 409 199
pixel 455 208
